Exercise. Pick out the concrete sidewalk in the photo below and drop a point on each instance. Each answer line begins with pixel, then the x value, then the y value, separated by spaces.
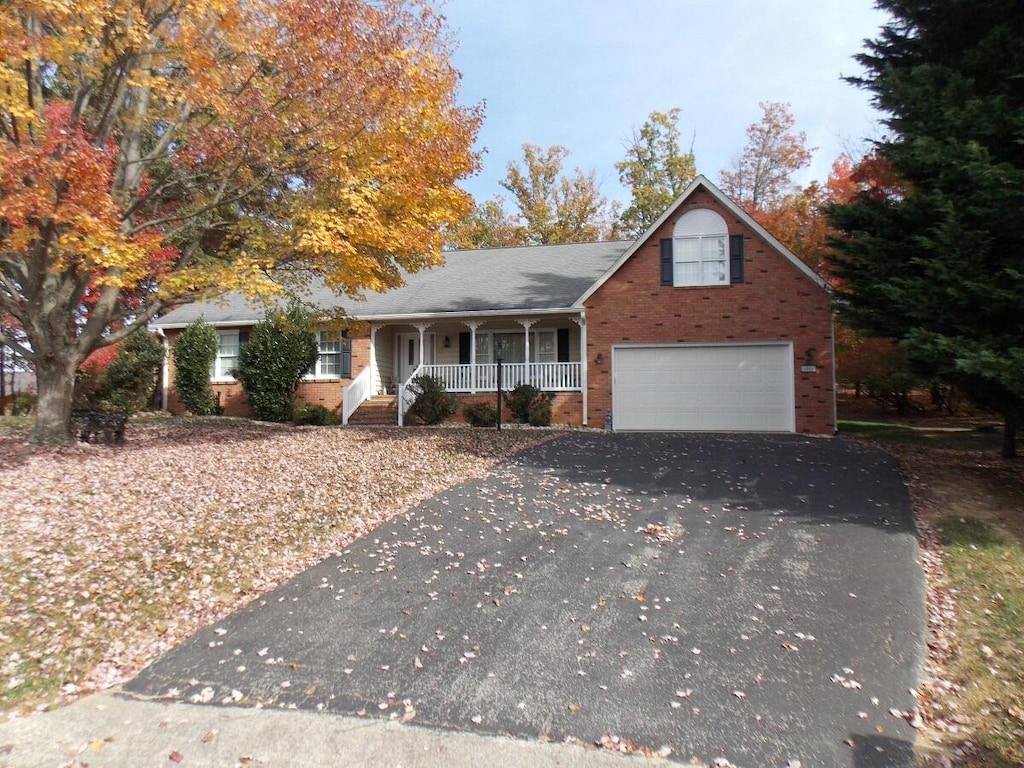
pixel 109 730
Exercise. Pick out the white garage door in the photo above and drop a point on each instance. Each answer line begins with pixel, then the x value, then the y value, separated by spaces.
pixel 718 388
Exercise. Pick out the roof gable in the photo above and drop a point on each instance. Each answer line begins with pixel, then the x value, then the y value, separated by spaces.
pixel 727 202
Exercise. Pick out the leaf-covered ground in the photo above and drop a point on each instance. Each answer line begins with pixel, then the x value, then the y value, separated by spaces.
pixel 969 509
pixel 111 555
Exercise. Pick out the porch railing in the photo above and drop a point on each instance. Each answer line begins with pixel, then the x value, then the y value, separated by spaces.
pixel 353 395
pixel 550 377
pixel 405 396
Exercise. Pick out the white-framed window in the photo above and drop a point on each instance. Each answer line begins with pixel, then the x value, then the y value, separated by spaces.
pixel 331 360
pixel 483 348
pixel 227 356
pixel 700 254
pixel 543 347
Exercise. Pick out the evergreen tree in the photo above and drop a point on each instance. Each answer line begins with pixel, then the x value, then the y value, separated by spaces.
pixel 936 258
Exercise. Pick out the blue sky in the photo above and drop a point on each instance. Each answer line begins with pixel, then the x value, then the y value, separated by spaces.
pixel 585 73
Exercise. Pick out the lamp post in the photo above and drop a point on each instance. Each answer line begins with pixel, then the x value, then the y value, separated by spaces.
pixel 499 351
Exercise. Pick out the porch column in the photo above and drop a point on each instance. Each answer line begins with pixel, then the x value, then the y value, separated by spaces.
pixel 421 327
pixel 526 331
pixel 165 371
pixel 378 385
pixel 581 321
pixel 472 325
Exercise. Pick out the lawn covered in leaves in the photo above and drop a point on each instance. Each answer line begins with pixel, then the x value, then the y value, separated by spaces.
pixel 969 507
pixel 111 555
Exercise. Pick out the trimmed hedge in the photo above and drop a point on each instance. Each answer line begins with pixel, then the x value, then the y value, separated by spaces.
pixel 280 351
pixel 195 349
pixel 480 414
pixel 433 403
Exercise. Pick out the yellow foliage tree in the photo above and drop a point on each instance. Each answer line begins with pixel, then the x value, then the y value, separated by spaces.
pixel 160 151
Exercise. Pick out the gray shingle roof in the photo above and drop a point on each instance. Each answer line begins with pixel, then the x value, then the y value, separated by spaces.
pixel 495 279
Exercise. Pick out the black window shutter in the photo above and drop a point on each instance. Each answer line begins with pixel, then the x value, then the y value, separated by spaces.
pixel 243 338
pixel 346 357
pixel 666 262
pixel 563 345
pixel 736 258
pixel 464 348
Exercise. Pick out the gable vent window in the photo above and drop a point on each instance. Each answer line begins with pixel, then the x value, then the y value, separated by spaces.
pixel 700 250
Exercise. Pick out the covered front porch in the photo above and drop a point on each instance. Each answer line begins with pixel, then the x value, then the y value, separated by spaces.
pixel 543 349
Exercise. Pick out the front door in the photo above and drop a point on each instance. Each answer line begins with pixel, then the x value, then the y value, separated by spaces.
pixel 409 353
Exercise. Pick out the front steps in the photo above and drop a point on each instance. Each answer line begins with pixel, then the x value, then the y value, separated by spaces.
pixel 378 411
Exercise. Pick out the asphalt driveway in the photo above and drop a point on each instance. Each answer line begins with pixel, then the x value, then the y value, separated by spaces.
pixel 751 597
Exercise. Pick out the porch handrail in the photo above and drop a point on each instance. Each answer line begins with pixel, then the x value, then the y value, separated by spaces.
pixel 404 398
pixel 549 377
pixel 355 394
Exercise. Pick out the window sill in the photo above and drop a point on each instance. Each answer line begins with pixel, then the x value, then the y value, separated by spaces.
pixel 703 285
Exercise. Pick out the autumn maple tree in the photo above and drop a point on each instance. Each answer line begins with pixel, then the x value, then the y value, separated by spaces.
pixel 555 207
pixel 160 151
pixel 550 206
pixel 763 172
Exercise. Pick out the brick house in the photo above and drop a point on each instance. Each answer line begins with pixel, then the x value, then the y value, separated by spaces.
pixel 706 322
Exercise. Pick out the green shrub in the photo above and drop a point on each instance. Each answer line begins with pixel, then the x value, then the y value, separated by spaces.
pixel 195 349
pixel 433 403
pixel 529 405
pixel 281 350
pixel 120 377
pixel 131 377
pixel 314 415
pixel 539 414
pixel 22 403
pixel 480 414
pixel 518 400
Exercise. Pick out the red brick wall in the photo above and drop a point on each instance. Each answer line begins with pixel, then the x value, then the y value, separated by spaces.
pixel 566 407
pixel 775 302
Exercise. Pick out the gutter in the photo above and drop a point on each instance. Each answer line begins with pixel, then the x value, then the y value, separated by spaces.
pixel 404 318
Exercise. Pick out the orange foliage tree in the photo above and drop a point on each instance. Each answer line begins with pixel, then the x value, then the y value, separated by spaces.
pixel 160 151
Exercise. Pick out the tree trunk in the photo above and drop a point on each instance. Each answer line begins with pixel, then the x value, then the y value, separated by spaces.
pixel 1011 424
pixel 55 387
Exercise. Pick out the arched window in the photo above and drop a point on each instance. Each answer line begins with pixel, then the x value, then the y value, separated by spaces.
pixel 699 249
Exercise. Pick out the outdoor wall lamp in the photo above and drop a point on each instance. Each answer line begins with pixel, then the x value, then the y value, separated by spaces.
pixel 447 342
pixel 809 365
pixel 600 358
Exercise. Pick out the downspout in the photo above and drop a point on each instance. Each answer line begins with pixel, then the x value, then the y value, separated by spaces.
pixel 582 322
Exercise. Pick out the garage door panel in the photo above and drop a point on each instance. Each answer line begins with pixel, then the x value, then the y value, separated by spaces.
pixel 729 387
